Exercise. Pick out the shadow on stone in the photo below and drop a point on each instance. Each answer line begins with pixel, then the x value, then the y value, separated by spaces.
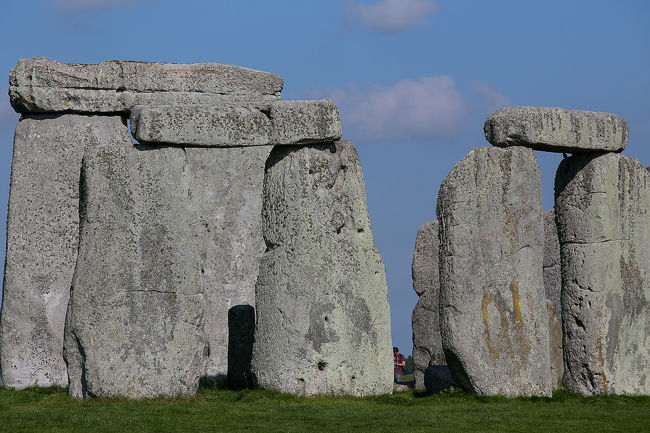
pixel 241 334
pixel 437 378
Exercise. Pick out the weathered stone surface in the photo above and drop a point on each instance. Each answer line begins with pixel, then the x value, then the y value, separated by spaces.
pixel 281 122
pixel 41 85
pixel 323 323
pixel 424 268
pixel 425 321
pixel 555 344
pixel 552 275
pixel 215 197
pixel 42 238
pixel 556 129
pixel 603 214
pixel 494 323
pixel 226 214
pixel 135 318
pixel 437 378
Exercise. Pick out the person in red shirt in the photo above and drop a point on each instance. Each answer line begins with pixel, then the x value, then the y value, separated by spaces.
pixel 399 361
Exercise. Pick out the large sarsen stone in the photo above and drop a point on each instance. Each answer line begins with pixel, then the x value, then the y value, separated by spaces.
pixel 40 85
pixel 556 129
pixel 135 320
pixel 323 323
pixel 42 238
pixel 603 213
pixel 494 322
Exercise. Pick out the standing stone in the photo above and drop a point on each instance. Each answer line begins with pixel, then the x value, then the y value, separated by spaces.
pixel 323 323
pixel 552 275
pixel 42 239
pixel 556 129
pixel 135 321
pixel 425 321
pixel 494 322
pixel 603 213
pixel 225 205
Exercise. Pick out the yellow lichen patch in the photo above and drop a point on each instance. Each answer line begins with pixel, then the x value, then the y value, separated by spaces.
pixel 514 288
pixel 601 364
pixel 487 299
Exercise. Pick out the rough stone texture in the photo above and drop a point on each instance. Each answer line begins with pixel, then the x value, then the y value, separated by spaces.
pixel 494 322
pixel 41 85
pixel 217 193
pixel 226 215
pixel 555 344
pixel 552 275
pixel 42 239
pixel 556 129
pixel 437 378
pixel 603 214
pixel 281 122
pixel 323 322
pixel 425 321
pixel 135 318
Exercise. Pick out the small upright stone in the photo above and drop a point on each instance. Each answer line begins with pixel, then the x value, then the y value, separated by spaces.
pixel 494 322
pixel 603 214
pixel 42 240
pixel 556 129
pixel 425 321
pixel 323 322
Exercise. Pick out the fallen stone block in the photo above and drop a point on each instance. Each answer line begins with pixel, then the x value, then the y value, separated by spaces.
pixel 494 322
pixel 323 322
pixel 602 203
pixel 281 122
pixel 42 239
pixel 556 129
pixel 38 85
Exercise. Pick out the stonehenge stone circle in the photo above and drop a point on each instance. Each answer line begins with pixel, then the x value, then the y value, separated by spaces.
pixel 556 129
pixel 602 202
pixel 38 85
pixel 321 296
pixel 425 321
pixel 42 239
pixel 493 319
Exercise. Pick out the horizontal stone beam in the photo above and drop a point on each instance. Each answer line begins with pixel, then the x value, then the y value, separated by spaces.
pixel 556 130
pixel 228 125
pixel 38 85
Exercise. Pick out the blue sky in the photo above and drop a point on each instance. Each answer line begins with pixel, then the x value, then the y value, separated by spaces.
pixel 414 79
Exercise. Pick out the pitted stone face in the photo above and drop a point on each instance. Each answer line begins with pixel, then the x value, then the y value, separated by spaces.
pixel 38 85
pixel 603 214
pixel 556 129
pixel 493 322
pixel 226 125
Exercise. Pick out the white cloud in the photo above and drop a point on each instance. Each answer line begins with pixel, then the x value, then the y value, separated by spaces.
pixel 392 15
pixel 8 117
pixel 425 109
pixel 486 99
pixel 84 5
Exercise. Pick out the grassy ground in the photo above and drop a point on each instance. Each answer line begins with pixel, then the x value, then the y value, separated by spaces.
pixel 50 409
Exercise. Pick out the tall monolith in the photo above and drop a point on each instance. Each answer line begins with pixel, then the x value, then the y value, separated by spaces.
pixel 42 240
pixel 494 322
pixel 323 323
pixel 602 202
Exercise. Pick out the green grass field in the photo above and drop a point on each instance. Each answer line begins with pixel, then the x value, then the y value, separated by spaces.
pixel 50 409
